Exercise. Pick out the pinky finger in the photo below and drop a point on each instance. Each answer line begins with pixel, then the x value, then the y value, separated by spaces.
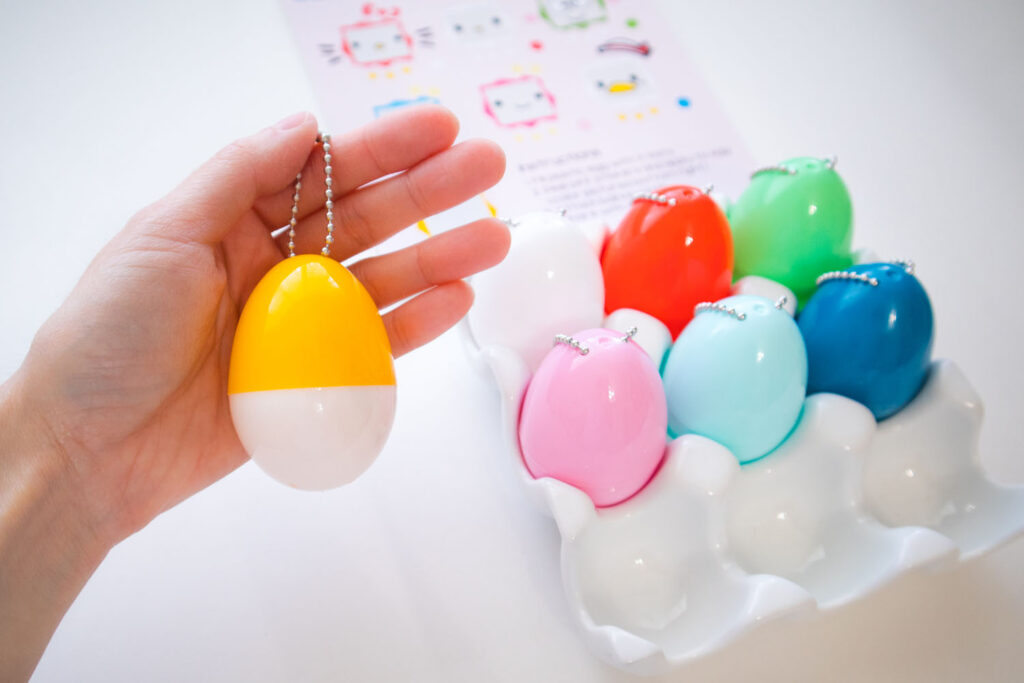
pixel 427 316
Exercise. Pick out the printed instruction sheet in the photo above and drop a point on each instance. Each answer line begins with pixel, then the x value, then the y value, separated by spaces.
pixel 593 101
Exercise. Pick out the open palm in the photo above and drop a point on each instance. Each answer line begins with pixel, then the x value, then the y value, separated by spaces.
pixel 130 375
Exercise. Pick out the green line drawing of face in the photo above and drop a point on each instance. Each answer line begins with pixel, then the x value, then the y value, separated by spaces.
pixel 566 14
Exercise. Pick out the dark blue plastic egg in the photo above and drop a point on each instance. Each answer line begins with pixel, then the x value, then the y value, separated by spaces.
pixel 868 332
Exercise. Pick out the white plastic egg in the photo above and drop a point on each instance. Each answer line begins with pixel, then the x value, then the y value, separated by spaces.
pixel 550 283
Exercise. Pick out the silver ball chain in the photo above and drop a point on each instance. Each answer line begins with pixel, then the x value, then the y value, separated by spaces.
pixel 582 348
pixel 329 193
pixel 830 163
pixel 705 306
pixel 845 275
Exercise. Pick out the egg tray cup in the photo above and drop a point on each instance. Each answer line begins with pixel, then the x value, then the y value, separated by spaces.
pixel 710 548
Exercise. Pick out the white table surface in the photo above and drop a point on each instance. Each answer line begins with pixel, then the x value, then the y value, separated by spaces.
pixel 433 567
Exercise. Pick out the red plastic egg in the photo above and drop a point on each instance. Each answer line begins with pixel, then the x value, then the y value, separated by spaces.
pixel 672 251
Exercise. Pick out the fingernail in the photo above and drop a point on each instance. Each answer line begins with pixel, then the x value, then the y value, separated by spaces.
pixel 292 121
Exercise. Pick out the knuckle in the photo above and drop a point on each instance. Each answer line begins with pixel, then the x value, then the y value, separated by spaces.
pixel 369 144
pixel 353 222
pixel 417 195
pixel 424 265
pixel 400 333
pixel 238 157
pixel 235 152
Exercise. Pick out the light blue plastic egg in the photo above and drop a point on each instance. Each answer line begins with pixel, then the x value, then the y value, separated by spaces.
pixel 737 374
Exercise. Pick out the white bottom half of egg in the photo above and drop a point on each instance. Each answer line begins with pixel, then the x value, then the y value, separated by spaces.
pixel 314 438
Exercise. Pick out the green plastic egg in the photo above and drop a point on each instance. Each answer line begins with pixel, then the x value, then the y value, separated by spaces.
pixel 793 223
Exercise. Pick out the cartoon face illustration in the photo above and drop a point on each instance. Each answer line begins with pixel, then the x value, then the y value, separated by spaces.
pixel 376 43
pixel 572 13
pixel 515 102
pixel 481 21
pixel 620 81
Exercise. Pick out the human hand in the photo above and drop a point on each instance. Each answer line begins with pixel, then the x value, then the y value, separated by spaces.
pixel 131 371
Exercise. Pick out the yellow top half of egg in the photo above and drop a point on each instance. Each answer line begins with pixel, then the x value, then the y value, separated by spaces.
pixel 309 323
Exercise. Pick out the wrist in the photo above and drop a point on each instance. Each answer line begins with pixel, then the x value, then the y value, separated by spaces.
pixel 49 544
pixel 37 474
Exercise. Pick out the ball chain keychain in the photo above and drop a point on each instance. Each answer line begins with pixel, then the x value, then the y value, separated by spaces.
pixel 718 307
pixel 906 264
pixel 664 199
pixel 582 348
pixel 830 163
pixel 329 193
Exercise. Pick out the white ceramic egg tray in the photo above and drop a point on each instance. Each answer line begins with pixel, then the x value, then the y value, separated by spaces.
pixel 710 548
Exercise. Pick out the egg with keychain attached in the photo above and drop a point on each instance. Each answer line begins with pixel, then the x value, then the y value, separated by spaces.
pixel 672 250
pixel 737 375
pixel 549 282
pixel 311 384
pixel 594 416
pixel 793 223
pixel 868 332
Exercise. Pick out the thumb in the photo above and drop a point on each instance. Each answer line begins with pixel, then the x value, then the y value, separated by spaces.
pixel 217 194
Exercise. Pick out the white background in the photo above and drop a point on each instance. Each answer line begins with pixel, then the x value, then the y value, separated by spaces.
pixel 433 567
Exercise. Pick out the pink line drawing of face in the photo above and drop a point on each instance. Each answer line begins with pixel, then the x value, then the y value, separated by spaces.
pixel 518 102
pixel 376 43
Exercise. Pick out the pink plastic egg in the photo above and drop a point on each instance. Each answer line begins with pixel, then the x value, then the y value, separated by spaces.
pixel 594 416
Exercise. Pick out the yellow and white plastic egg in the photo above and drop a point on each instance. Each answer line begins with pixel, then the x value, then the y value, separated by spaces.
pixel 311 383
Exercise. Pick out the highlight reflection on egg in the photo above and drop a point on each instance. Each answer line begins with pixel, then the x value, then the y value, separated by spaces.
pixel 311 383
